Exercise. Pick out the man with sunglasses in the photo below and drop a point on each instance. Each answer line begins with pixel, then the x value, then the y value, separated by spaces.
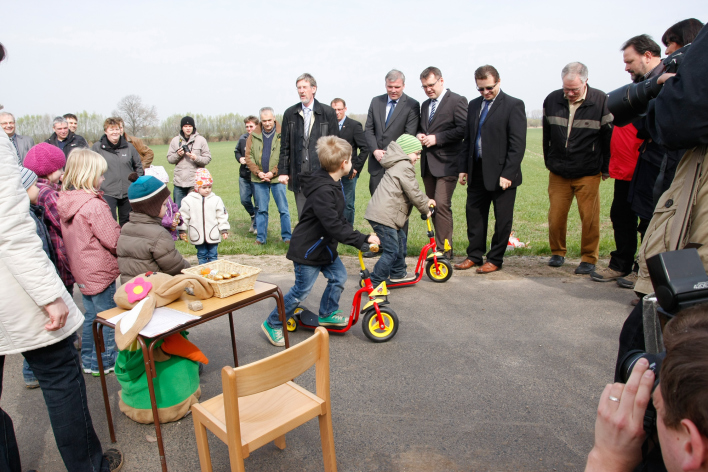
pixel 577 128
pixel 495 141
pixel 443 118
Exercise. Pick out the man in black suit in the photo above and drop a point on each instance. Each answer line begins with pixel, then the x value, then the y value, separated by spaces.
pixel 352 132
pixel 390 115
pixel 303 124
pixel 495 141
pixel 443 119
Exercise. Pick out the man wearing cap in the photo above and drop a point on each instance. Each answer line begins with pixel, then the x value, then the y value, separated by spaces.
pixel 22 143
pixel 64 138
pixel 187 162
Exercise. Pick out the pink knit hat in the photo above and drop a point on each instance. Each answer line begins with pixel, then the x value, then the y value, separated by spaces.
pixel 202 177
pixel 43 159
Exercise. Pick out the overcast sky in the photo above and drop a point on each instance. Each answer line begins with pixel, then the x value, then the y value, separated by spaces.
pixel 233 56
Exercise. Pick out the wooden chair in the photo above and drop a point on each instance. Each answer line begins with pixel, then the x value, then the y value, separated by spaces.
pixel 260 404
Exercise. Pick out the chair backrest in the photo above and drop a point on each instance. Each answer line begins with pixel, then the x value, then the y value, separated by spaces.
pixel 279 368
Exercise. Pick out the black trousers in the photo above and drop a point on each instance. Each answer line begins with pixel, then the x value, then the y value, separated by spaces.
pixel 123 207
pixel 625 225
pixel 477 210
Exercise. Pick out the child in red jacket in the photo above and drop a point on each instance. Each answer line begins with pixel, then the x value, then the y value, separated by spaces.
pixel 91 237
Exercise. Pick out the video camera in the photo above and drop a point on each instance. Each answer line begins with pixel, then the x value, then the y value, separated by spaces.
pixel 630 101
pixel 679 281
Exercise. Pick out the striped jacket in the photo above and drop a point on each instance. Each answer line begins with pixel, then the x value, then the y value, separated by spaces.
pixel 587 150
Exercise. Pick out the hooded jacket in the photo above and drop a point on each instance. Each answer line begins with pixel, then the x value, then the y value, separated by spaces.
pixel 398 191
pixel 73 141
pixel 322 224
pixel 185 168
pixel 90 236
pixel 122 159
pixel 145 245
pixel 204 218
pixel 28 279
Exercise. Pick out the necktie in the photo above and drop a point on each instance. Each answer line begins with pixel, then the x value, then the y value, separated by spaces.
pixel 390 112
pixel 478 140
pixel 308 114
pixel 433 106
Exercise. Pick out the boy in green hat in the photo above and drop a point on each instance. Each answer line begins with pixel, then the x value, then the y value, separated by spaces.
pixel 391 205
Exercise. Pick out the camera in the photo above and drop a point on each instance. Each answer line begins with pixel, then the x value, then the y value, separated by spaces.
pixel 185 148
pixel 630 101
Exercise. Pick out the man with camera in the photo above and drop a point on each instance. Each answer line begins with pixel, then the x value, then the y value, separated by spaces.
pixel 677 119
pixel 681 420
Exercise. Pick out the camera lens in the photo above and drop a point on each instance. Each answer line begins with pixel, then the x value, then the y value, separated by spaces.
pixel 630 360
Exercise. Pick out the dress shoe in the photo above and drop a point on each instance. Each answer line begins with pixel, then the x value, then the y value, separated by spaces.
pixel 556 261
pixel 487 268
pixel 584 268
pixel 464 265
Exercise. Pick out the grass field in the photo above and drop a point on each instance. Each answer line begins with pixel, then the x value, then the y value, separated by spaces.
pixel 530 215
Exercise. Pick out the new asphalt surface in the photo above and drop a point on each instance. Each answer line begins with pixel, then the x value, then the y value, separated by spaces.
pixel 483 375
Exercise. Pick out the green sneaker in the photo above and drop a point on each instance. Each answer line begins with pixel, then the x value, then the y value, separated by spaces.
pixel 335 319
pixel 275 336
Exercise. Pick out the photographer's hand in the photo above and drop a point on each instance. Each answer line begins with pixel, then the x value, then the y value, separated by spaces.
pixel 619 427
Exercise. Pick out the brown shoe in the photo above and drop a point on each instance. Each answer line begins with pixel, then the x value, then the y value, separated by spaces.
pixel 258 243
pixel 464 265
pixel 487 268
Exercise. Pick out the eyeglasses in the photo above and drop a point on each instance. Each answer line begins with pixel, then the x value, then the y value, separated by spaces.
pixel 429 86
pixel 488 89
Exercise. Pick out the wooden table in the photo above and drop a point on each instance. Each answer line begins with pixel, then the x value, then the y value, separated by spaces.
pixel 213 308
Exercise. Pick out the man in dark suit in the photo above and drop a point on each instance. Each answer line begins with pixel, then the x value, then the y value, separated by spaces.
pixel 303 125
pixel 443 118
pixel 22 143
pixel 495 141
pixel 390 115
pixel 353 133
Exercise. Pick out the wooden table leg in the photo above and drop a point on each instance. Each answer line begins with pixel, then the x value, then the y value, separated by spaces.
pixel 233 337
pixel 281 312
pixel 100 349
pixel 151 373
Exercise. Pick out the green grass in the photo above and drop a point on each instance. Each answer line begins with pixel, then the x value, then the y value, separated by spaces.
pixel 530 213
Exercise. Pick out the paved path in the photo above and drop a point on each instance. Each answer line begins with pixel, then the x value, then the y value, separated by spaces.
pixel 483 375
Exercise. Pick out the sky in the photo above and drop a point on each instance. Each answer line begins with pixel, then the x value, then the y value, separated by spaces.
pixel 217 57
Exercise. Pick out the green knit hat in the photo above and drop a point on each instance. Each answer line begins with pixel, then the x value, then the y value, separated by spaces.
pixel 409 144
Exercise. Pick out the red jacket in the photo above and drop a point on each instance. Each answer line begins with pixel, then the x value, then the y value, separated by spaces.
pixel 90 236
pixel 624 152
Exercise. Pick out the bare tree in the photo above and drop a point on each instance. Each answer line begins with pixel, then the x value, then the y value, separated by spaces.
pixel 137 116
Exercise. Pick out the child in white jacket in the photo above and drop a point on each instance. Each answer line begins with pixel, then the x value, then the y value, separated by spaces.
pixel 206 220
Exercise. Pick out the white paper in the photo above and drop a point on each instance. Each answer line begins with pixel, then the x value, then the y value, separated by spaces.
pixel 163 320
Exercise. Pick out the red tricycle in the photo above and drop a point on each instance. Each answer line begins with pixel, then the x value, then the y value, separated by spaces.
pixel 380 322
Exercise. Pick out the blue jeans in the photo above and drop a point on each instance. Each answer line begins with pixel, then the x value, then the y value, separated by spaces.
pixel 207 252
pixel 393 259
pixel 179 193
pixel 58 369
pixel 262 192
pixel 245 191
pixel 94 304
pixel 305 277
pixel 349 196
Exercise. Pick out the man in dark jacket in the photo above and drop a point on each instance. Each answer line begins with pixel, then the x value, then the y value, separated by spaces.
pixel 313 247
pixel 352 132
pixel 303 124
pixel 577 128
pixel 245 188
pixel 64 139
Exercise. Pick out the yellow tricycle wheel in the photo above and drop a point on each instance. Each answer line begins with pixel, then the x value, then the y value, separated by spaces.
pixel 372 330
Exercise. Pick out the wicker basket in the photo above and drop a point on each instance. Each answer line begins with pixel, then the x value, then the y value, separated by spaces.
pixel 228 287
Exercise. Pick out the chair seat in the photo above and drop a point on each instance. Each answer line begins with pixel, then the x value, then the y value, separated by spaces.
pixel 266 415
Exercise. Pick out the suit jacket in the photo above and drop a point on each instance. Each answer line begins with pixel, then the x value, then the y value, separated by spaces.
pixel 404 120
pixel 353 133
pixel 24 144
pixel 503 140
pixel 448 126
pixel 323 123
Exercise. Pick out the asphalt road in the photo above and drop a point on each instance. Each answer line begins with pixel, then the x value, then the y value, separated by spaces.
pixel 483 375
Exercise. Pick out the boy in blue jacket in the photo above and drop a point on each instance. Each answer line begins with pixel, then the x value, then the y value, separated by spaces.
pixel 313 247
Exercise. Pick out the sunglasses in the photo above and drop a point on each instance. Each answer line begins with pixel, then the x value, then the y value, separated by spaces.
pixel 488 89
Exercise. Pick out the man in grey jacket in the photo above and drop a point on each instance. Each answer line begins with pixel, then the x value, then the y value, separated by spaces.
pixel 22 143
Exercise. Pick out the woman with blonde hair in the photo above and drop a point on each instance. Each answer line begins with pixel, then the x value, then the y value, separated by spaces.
pixel 91 237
